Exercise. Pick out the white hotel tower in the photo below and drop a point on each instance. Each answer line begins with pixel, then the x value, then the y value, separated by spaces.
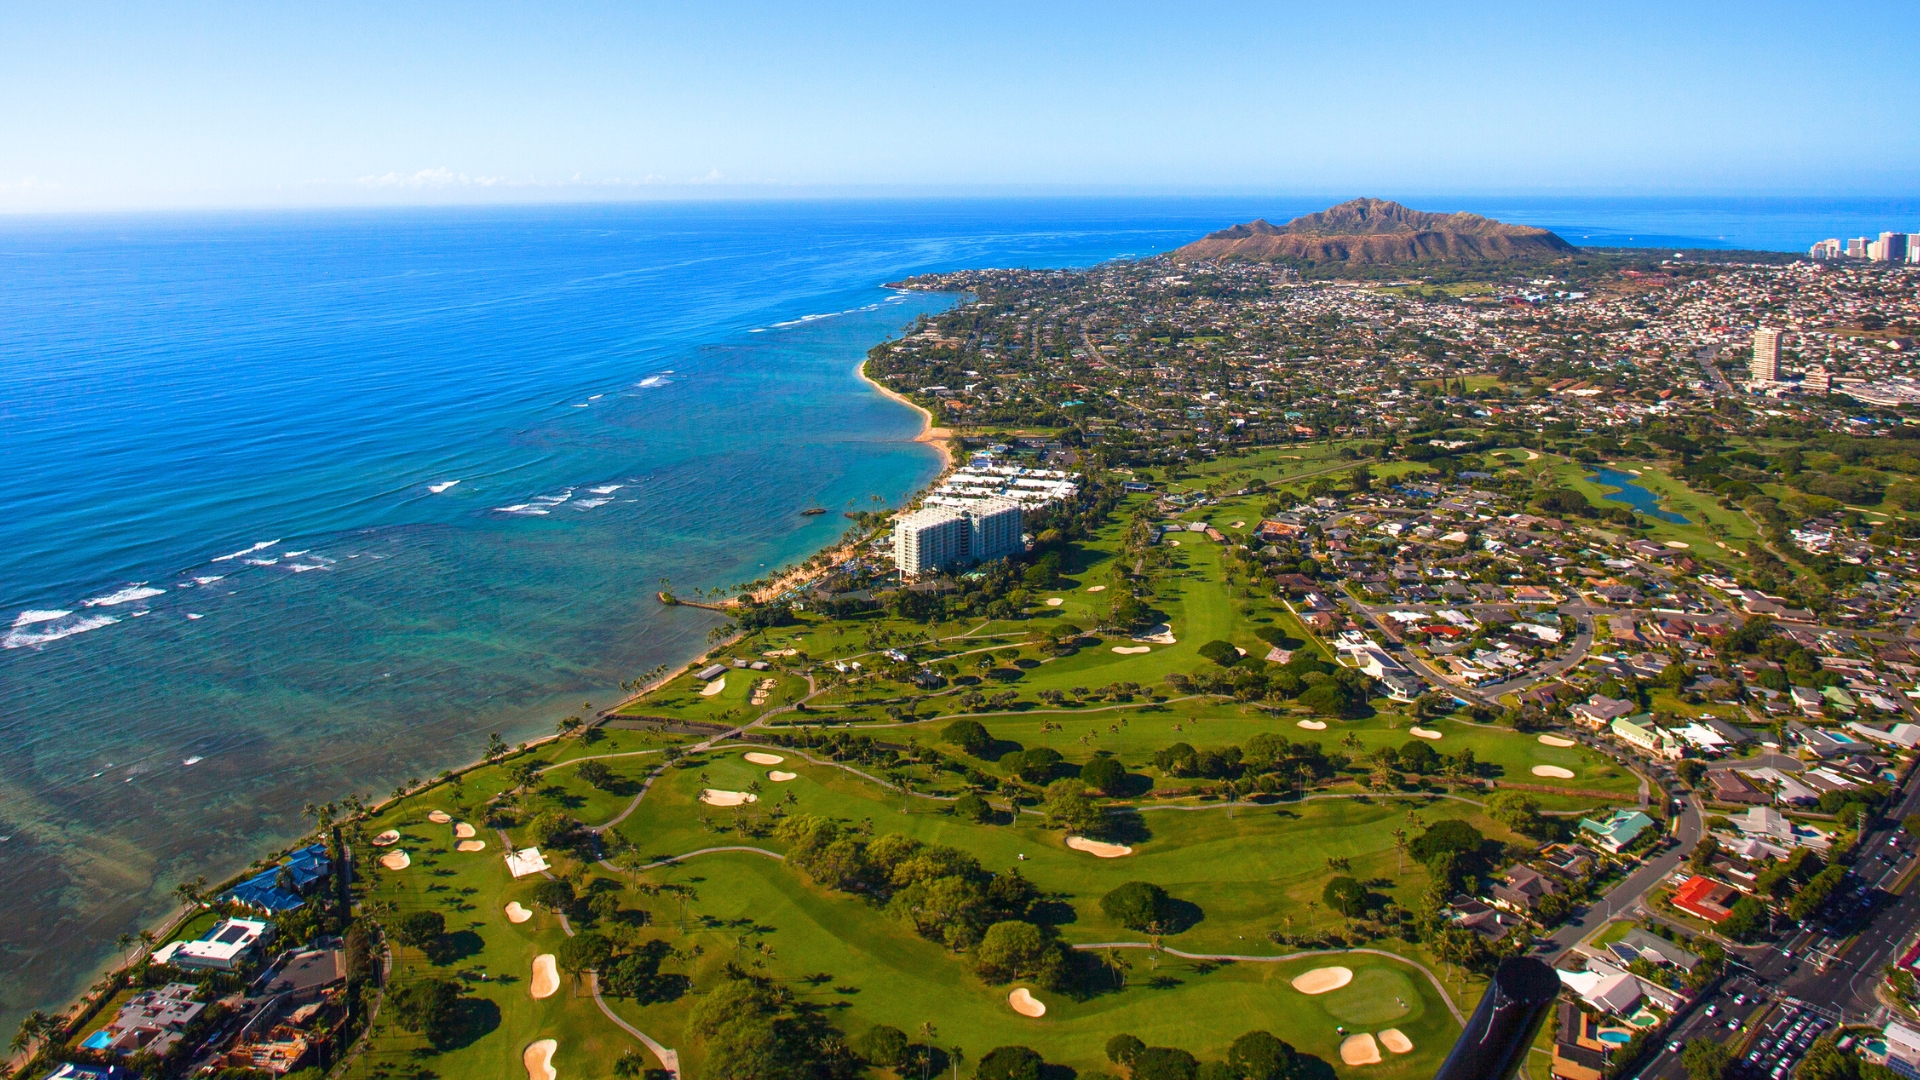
pixel 942 538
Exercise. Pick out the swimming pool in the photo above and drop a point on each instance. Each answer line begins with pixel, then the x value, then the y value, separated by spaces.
pixel 1616 1038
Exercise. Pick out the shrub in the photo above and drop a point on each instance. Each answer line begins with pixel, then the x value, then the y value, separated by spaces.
pixel 555 894
pixel 596 774
pixel 1010 1063
pixel 1346 896
pixel 1257 1055
pixel 1104 774
pixel 428 1007
pixel 1328 698
pixel 1451 836
pixel 1123 1048
pixel 1137 905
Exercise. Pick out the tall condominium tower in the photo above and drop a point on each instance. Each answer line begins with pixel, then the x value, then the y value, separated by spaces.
pixel 944 538
pixel 1765 367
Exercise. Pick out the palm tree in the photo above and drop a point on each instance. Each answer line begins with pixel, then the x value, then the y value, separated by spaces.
pixel 1313 906
pixel 955 1054
pixel 1399 851
pixel 37 1027
pixel 927 1034
pixel 123 943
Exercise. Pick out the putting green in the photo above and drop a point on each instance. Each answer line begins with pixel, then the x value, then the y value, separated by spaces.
pixel 1375 996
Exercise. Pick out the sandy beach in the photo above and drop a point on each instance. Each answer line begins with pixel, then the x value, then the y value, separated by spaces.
pixel 935 437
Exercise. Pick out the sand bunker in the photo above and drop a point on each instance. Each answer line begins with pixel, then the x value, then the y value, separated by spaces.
pixel 1132 650
pixel 1678 545
pixel 1396 1041
pixel 517 914
pixel 1054 601
pixel 470 845
pixel 1096 588
pixel 546 976
pixel 395 860
pixel 1095 847
pixel 1424 733
pixel 779 777
pixel 439 817
pixel 1323 980
pixel 1238 525
pixel 714 797
pixel 1556 740
pixel 463 831
pixel 1175 543
pixel 758 758
pixel 1026 1004
pixel 1161 634
pixel 539 1060
pixel 1554 771
pixel 714 687
pixel 1360 1050
pixel 387 839
pixel 1314 725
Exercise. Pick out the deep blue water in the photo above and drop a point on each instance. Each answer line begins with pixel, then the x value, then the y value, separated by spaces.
pixel 1631 493
pixel 223 437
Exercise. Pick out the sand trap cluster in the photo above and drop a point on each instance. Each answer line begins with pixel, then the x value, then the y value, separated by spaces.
pixel 439 817
pixel 1132 650
pixel 1026 1004
pixel 387 839
pixel 1323 980
pixel 1314 725
pixel 1424 733
pixel 1396 1040
pixel 714 687
pixel 470 845
pixel 1555 740
pixel 1096 847
pixel 782 652
pixel 1360 1050
pixel 1553 771
pixel 716 797
pixel 761 691
pixel 463 831
pixel 395 860
pixel 755 757
pixel 1055 601
pixel 517 914
pixel 779 777
pixel 539 1060
pixel 546 976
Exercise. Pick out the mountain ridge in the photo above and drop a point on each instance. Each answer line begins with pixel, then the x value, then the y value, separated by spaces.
pixel 1377 232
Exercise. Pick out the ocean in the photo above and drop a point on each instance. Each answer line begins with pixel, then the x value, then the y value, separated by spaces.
pixel 304 504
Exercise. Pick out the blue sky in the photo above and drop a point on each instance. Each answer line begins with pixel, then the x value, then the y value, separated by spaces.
pixel 138 105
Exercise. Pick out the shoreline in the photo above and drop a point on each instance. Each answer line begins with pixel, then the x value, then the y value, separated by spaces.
pixel 83 1004
pixel 935 437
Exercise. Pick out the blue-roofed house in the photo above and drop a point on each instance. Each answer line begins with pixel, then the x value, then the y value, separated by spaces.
pixel 285 886
pixel 1618 830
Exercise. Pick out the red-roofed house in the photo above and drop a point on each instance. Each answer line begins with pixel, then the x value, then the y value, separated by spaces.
pixel 1709 899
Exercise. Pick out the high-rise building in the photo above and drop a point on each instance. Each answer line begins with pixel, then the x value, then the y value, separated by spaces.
pixel 944 538
pixel 1913 247
pixel 928 541
pixel 1857 248
pixel 1825 249
pixel 1893 247
pixel 1876 251
pixel 1765 366
pixel 1817 380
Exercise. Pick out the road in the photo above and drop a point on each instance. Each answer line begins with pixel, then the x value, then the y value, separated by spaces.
pixel 1623 898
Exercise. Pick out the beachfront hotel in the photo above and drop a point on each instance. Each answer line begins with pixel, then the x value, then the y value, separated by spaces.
pixel 943 537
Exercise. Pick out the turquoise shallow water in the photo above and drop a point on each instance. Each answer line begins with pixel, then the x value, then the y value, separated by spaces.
pixel 233 533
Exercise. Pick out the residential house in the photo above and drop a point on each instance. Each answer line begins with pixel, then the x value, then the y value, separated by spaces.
pixel 152 1020
pixel 1618 830
pixel 1706 898
pixel 1600 710
pixel 1521 888
pixel 1730 787
pixel 1578 1053
pixel 1640 732
pixel 229 946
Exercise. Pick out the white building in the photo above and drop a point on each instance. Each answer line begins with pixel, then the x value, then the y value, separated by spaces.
pixel 227 946
pixel 946 537
pixel 1765 366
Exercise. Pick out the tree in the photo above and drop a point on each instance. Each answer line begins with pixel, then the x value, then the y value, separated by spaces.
pixel 596 774
pixel 1138 905
pixel 1706 1059
pixel 971 807
pixel 883 1045
pixel 1517 810
pixel 583 953
pixel 1164 1063
pixel 554 894
pixel 1010 1063
pixel 1220 652
pixel 1346 896
pixel 1036 766
pixel 1447 836
pixel 1123 1048
pixel 1690 772
pixel 1014 950
pixel 1069 808
pixel 1104 774
pixel 1747 920
pixel 1258 1055
pixel 420 929
pixel 970 736
pixel 427 1007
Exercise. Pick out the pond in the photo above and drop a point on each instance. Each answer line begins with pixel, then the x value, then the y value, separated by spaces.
pixel 1631 493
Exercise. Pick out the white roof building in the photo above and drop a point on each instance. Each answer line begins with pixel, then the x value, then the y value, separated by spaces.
pixel 526 861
